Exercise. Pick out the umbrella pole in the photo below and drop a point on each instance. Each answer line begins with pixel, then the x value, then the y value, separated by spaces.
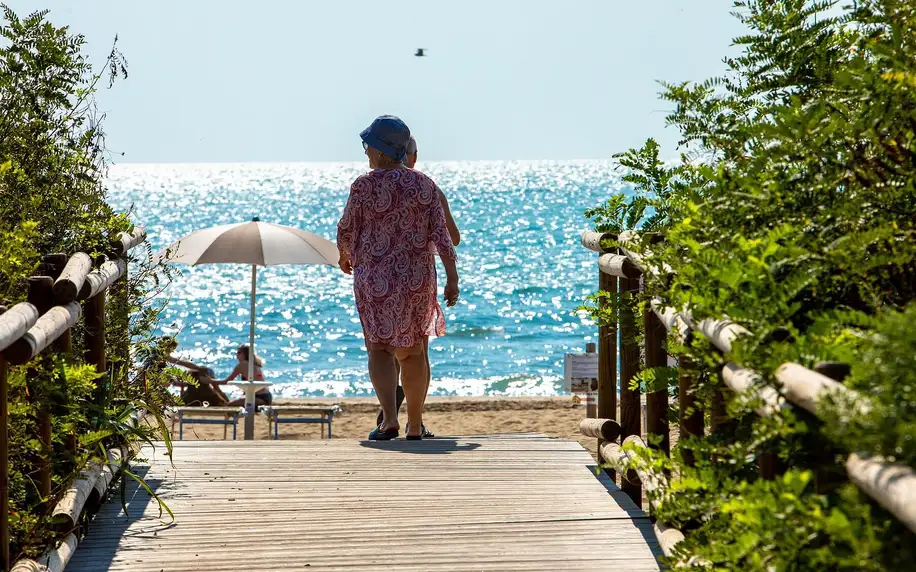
pixel 249 395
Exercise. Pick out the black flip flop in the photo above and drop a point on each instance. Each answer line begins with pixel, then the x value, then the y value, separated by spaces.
pixel 426 433
pixel 379 435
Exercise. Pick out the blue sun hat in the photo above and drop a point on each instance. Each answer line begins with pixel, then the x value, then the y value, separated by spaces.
pixel 389 135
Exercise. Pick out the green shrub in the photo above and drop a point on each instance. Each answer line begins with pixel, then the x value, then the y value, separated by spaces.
pixel 793 212
pixel 53 163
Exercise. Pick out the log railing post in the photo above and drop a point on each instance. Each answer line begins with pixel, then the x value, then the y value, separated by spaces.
pixel 630 406
pixel 719 421
pixel 4 466
pixel 828 477
pixel 41 296
pixel 591 398
pixel 690 416
pixel 657 399
pixel 122 350
pixel 54 264
pixel 607 359
pixel 94 312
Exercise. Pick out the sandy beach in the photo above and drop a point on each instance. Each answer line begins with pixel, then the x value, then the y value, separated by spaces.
pixel 445 416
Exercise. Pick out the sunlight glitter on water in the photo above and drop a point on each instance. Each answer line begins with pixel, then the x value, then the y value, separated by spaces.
pixel 523 271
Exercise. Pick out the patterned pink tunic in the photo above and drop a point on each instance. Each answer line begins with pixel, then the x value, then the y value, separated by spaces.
pixel 387 226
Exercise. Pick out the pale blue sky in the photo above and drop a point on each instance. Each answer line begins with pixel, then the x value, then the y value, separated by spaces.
pixel 272 80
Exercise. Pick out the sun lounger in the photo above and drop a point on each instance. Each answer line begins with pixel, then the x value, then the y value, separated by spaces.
pixel 277 414
pixel 224 416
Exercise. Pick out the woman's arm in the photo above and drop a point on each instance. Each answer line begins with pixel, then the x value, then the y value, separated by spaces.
pixel 439 235
pixel 348 228
pixel 182 363
pixel 235 373
pixel 449 221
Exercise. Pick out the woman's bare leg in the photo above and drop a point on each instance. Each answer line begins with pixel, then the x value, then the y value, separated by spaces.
pixel 414 379
pixel 384 377
pixel 429 369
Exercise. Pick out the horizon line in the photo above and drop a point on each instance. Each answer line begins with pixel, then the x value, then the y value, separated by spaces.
pixel 351 162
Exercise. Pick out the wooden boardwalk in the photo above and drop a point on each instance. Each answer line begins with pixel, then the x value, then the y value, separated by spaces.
pixel 505 502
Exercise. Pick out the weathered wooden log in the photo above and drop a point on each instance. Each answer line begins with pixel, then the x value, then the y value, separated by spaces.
pixel 721 333
pixel 747 382
pixel 54 560
pixel 615 454
pixel 68 285
pixel 68 509
pixel 607 360
pixel 618 265
pixel 40 294
pixel 719 420
pixel 606 429
pixel 656 356
pixel 641 261
pixel 64 342
pixel 100 279
pixel 667 537
pixel 126 241
pixel 671 319
pixel 108 471
pixel 828 477
pixel 46 329
pixel 94 340
pixel 15 322
pixel 892 485
pixel 592 240
pixel 630 406
pixel 806 388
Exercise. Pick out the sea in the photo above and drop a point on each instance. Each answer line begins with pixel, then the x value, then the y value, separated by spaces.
pixel 523 271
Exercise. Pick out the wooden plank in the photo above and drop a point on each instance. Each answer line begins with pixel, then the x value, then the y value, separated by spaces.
pixel 468 503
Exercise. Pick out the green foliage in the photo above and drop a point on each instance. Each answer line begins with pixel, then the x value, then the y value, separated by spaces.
pixel 881 353
pixel 794 216
pixel 53 164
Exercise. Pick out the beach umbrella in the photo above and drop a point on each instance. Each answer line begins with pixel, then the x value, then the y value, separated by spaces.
pixel 256 243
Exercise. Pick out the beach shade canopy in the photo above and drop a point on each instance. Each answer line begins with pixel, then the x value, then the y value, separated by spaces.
pixel 255 243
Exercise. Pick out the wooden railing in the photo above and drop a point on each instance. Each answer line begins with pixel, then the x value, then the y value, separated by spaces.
pixel 620 272
pixel 69 288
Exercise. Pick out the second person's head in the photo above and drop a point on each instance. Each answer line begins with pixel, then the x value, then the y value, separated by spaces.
pixel 411 160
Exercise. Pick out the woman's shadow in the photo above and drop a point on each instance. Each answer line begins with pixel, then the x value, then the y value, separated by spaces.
pixel 437 446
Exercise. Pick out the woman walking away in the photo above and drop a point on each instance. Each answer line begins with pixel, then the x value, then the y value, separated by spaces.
pixel 392 215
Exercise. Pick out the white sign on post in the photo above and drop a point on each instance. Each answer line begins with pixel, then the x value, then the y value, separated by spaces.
pixel 580 371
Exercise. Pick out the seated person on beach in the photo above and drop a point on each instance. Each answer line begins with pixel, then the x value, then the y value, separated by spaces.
pixel 262 397
pixel 158 356
pixel 205 393
pixel 411 162
pixel 206 389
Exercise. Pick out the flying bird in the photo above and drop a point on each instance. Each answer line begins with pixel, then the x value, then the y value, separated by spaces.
pixel 421 52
